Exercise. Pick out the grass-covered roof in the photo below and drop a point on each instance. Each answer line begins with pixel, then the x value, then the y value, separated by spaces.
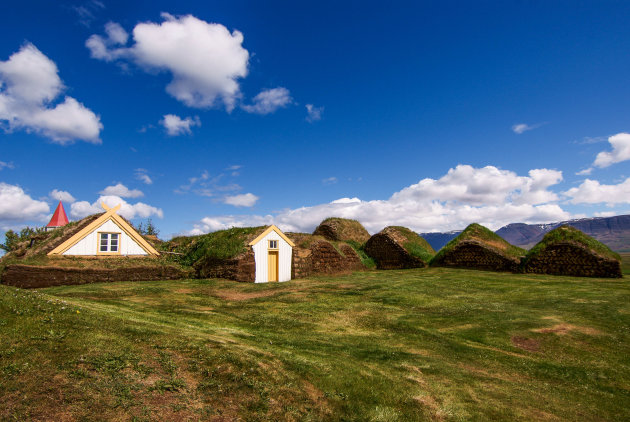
pixel 481 234
pixel 336 228
pixel 568 234
pixel 222 244
pixel 412 242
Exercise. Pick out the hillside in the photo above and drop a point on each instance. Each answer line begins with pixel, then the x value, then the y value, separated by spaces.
pixel 398 345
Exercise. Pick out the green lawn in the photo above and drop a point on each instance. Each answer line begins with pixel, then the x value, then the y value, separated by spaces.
pixel 423 344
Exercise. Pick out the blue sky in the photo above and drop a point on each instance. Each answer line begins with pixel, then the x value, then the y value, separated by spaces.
pixel 205 115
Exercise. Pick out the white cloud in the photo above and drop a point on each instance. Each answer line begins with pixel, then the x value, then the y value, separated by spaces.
pixel 620 151
pixel 592 192
pixel 487 195
pixel 116 34
pixel 584 172
pixel 205 59
pixel 484 186
pixel 269 100
pixel 329 180
pixel 122 191
pixel 242 200
pixel 143 176
pixel 17 206
pixel 520 128
pixel 87 11
pixel 29 83
pixel 61 195
pixel 5 165
pixel 314 113
pixel 523 127
pixel 129 211
pixel 175 125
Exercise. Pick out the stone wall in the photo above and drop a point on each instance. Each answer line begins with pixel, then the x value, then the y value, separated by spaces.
pixel 573 260
pixel 389 254
pixel 31 276
pixel 474 254
pixel 241 268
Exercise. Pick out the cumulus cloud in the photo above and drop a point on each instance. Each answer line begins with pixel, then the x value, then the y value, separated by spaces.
pixel 61 195
pixel 269 100
pixel 484 186
pixel 17 206
pixel 129 211
pixel 313 113
pixel 242 200
pixel 329 180
pixel 205 59
pixel 29 85
pixel 592 192
pixel 121 191
pixel 143 176
pixel 620 151
pixel 487 195
pixel 175 125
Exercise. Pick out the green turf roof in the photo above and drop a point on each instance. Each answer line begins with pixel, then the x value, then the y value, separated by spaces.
pixel 572 235
pixel 413 243
pixel 222 244
pixel 482 234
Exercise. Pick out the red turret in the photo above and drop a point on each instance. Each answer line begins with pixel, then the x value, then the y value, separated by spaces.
pixel 58 219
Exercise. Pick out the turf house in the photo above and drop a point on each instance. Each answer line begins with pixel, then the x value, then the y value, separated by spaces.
pixel 477 247
pixel 107 235
pixel 568 251
pixel 397 247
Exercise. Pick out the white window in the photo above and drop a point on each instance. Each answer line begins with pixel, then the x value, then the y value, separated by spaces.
pixel 273 244
pixel 108 242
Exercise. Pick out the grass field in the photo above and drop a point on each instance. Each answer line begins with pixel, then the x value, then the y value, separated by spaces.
pixel 424 344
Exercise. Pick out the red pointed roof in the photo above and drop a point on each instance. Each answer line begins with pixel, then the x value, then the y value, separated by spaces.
pixel 59 218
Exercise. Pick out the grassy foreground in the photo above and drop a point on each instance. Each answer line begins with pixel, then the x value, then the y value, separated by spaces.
pixel 425 344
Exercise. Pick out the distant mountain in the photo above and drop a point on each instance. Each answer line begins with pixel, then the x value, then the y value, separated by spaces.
pixel 437 240
pixel 612 231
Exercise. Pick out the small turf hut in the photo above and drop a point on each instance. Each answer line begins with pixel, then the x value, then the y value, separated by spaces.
pixel 478 247
pixel 342 229
pixel 315 255
pixel 398 247
pixel 233 254
pixel 568 251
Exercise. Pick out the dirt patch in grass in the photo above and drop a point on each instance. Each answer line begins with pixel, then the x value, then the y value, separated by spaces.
pixel 457 328
pixel 238 296
pixel 529 344
pixel 562 329
pixel 431 405
pixel 317 397
pixel 183 291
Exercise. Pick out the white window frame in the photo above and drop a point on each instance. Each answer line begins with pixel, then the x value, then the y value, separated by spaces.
pixel 109 243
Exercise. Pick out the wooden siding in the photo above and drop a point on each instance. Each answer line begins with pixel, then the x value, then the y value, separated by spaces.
pixel 285 252
pixel 89 244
